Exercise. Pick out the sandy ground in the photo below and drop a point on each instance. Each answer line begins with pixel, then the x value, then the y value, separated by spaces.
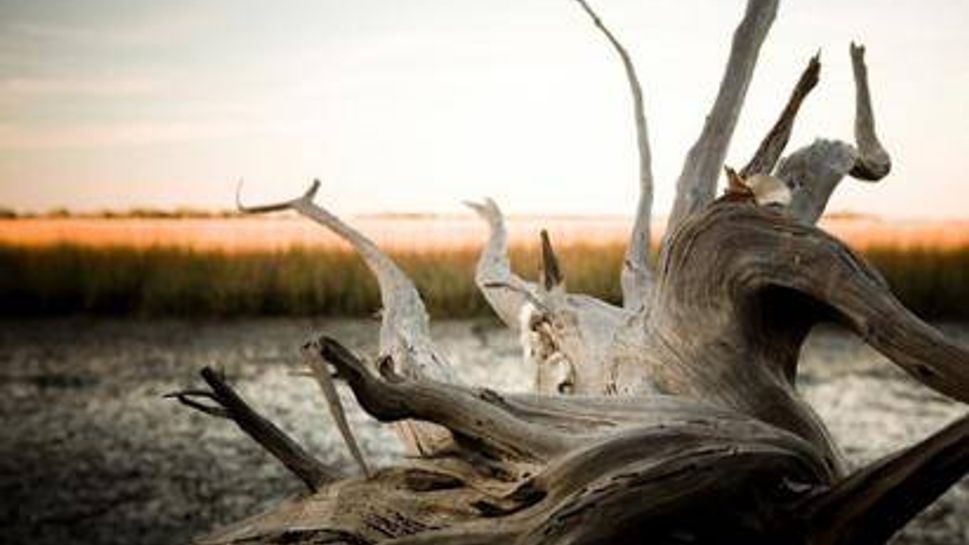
pixel 91 453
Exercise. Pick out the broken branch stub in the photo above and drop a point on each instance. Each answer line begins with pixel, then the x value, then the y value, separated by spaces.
pixel 771 148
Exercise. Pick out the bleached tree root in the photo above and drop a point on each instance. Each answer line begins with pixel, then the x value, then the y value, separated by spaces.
pixel 727 438
pixel 685 425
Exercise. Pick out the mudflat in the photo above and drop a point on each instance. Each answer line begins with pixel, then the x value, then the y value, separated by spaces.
pixel 91 452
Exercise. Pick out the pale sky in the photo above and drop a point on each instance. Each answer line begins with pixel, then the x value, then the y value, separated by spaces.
pixel 415 105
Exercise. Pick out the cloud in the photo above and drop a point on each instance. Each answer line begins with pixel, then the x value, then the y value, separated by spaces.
pixel 96 87
pixel 89 136
pixel 146 30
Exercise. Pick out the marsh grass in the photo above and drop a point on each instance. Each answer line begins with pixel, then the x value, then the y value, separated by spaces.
pixel 178 281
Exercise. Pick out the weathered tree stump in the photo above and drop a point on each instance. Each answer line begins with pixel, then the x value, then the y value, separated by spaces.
pixel 673 419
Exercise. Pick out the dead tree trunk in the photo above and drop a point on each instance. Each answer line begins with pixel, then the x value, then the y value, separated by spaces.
pixel 689 428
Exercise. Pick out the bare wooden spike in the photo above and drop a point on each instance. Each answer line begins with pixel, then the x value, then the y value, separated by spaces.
pixel 637 272
pixel 300 463
pixel 697 182
pixel 770 149
pixel 405 329
pixel 321 372
pixel 871 505
pixel 814 171
pixel 552 277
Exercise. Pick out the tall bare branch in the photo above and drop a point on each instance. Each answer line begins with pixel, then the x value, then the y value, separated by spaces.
pixel 405 328
pixel 637 273
pixel 697 182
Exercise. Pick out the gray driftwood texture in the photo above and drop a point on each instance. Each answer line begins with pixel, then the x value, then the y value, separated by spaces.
pixel 672 419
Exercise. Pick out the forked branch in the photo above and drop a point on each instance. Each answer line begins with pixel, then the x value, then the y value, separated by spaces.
pixel 814 171
pixel 405 330
pixel 229 404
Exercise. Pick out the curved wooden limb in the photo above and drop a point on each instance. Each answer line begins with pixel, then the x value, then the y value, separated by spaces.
pixel 813 172
pixel 281 446
pixel 505 291
pixel 637 271
pixel 479 416
pixel 405 329
pixel 871 505
pixel 653 480
pixel 740 288
pixel 698 179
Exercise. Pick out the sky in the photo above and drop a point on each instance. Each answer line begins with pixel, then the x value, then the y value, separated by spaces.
pixel 416 105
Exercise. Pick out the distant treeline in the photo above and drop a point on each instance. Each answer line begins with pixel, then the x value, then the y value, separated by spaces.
pixel 160 281
pixel 138 213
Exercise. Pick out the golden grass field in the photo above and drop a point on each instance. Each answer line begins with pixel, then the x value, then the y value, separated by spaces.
pixel 290 266
pixel 420 233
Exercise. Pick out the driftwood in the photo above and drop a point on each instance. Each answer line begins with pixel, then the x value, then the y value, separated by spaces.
pixel 672 419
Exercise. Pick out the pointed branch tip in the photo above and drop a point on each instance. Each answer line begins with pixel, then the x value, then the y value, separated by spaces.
pixel 306 197
pixel 551 270
pixel 312 355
